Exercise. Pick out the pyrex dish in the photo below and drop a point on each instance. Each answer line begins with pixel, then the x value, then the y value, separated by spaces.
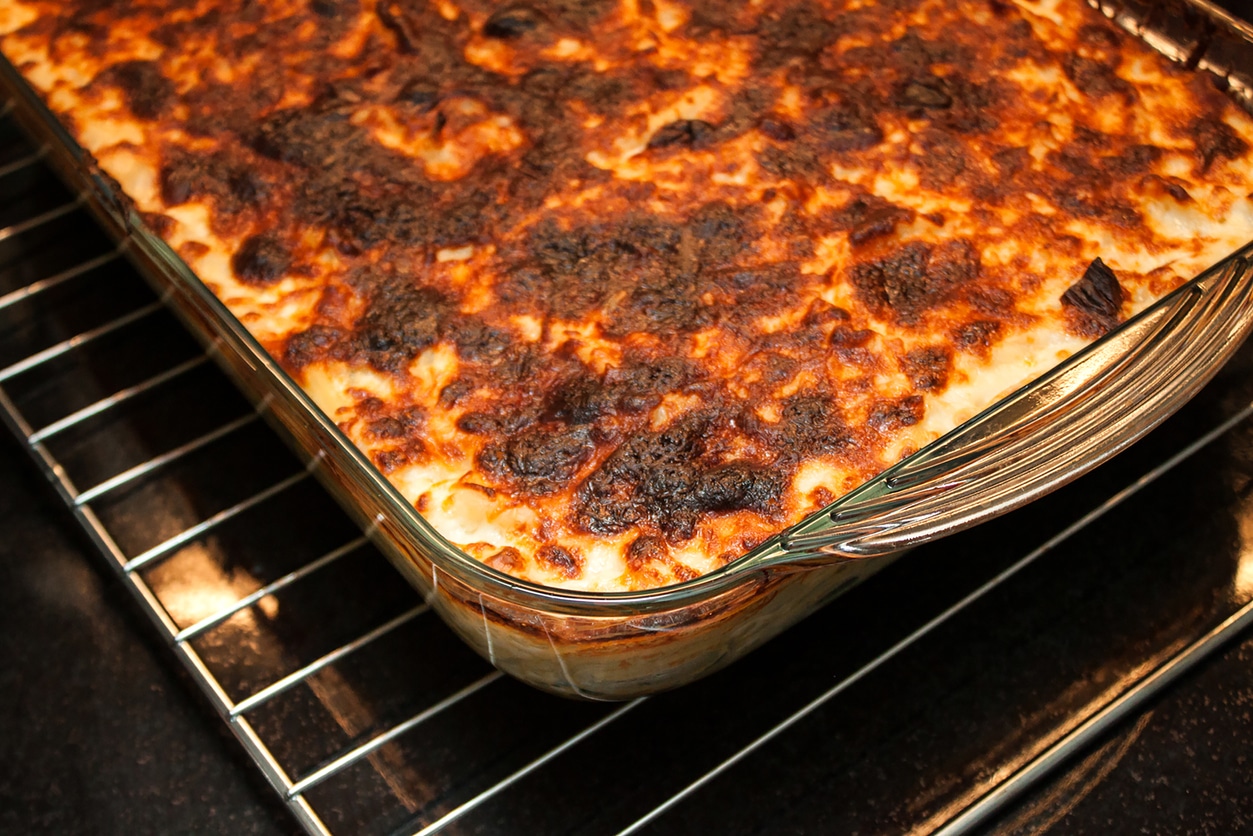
pixel 617 645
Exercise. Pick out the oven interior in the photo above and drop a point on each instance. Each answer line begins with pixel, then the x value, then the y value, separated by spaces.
pixel 927 700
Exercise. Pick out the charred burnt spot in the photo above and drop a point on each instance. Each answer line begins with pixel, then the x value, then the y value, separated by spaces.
pixel 574 269
pixel 558 559
pixel 919 95
pixel 584 399
pixel 645 273
pixel 867 217
pixel 389 461
pixel 366 195
pixel 796 33
pixel 745 294
pixel 928 368
pixel 498 422
pixel 402 424
pixel 315 343
pixel 915 278
pixel 1098 37
pixel 974 106
pixel 1010 162
pixel 1171 187
pixel 682 133
pixel 912 53
pixel 515 373
pixel 222 177
pixel 632 388
pixel 356 224
pixel 149 94
pixel 1096 78
pixel 821 312
pixel 845 126
pixel 477 340
pixel 173 33
pixel 664 481
pixel 640 384
pixel 183 177
pixel 401 320
pixel 770 368
pixel 888 415
pixel 605 94
pixel 977 336
pixel 1216 140
pixel 943 161
pixel 1087 199
pixel 409 450
pixel 777 129
pixel 396 215
pixel 646 549
pixel 262 259
pixel 1080 164
pixel 480 423
pixel 160 223
pixel 1094 302
pixel 1131 160
pixel 419 93
pixel 311 137
pixel 541 459
pixel 393 18
pixel 329 8
pixel 851 346
pixel 909 57
pixel 811 424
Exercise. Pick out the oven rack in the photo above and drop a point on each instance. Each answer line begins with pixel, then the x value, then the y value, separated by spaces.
pixel 219 534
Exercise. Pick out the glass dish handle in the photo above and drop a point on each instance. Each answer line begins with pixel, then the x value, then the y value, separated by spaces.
pixel 1044 435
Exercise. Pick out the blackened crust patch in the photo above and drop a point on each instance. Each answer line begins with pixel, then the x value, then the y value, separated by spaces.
pixel 262 259
pixel 665 482
pixel 1095 300
pixel 915 278
pixel 148 91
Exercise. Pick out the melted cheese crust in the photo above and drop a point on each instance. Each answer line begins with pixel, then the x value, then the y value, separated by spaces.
pixel 615 290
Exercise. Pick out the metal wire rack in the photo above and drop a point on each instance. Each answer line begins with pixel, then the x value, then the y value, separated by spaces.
pixel 366 716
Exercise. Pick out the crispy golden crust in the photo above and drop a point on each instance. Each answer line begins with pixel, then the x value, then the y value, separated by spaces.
pixel 615 290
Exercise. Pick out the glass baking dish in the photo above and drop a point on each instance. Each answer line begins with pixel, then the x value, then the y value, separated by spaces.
pixel 610 646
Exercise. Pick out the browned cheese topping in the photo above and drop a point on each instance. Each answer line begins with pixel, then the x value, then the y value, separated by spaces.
pixel 614 290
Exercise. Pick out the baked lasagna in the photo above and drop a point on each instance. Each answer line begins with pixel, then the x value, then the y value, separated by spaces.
pixel 615 290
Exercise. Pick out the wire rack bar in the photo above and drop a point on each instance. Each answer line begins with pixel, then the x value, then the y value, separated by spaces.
pixel 103 541
pixel 300 675
pixel 41 219
pixel 52 281
pixel 934 623
pixel 465 807
pixel 253 745
pixel 140 470
pixel 168 547
pixel 77 341
pixel 354 755
pixel 285 581
pixel 23 162
pixel 1120 709
pixel 116 399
